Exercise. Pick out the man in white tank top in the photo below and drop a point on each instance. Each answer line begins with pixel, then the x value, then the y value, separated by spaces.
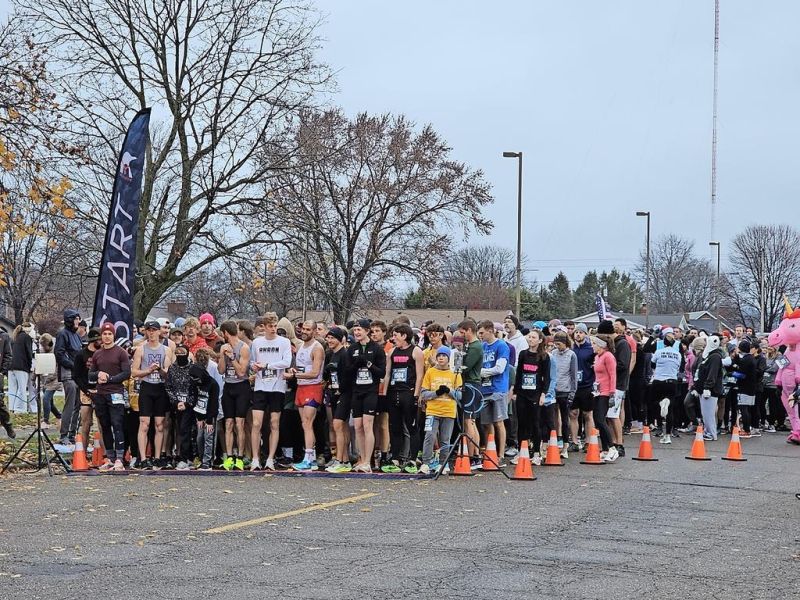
pixel 308 398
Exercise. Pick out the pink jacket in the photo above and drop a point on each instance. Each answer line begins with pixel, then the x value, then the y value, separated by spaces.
pixel 605 373
pixel 689 370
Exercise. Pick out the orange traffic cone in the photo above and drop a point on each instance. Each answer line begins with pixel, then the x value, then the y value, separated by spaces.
pixel 524 470
pixel 645 446
pixel 698 447
pixel 98 456
pixel 593 450
pixel 490 458
pixel 735 448
pixel 79 462
pixel 462 466
pixel 553 458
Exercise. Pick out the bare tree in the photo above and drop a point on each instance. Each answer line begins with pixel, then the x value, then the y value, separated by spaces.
pixel 224 76
pixel 679 280
pixel 371 198
pixel 764 267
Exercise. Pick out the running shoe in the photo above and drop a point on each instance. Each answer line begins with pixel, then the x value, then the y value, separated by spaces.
pixel 118 466
pixel 424 469
pixel 560 443
pixel 565 453
pixel 475 464
pixel 621 450
pixel 664 404
pixel 227 464
pixel 708 437
pixel 745 435
pixel 238 464
pixel 305 465
pixel 269 465
pixel 362 468
pixel 511 451
pixel 246 462
pixel 656 432
pixel 573 447
pixel 755 432
pixel 611 455
pixel 204 467
pixel 106 466
pixel 332 465
pixel 665 439
pixel 675 434
pixel 537 459
pixel 411 468
pixel 636 429
pixel 183 466
pixel 685 429
pixel 169 464
pixel 340 468
pixel 391 467
pixel 446 470
pixel 514 460
pixel 255 466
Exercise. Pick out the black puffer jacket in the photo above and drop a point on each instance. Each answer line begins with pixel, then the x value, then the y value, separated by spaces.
pixel 709 374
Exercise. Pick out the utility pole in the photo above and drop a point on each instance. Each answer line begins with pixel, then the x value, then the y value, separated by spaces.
pixel 518 278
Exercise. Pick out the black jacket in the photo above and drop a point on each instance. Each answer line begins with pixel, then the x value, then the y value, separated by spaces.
pixel 372 358
pixel 622 352
pixel 22 352
pixel 5 353
pixel 746 365
pixel 80 371
pixel 709 374
pixel 528 363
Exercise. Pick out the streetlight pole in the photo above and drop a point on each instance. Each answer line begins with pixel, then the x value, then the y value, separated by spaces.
pixel 716 291
pixel 518 286
pixel 643 213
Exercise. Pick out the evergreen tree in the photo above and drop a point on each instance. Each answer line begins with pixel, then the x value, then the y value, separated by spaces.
pixel 558 298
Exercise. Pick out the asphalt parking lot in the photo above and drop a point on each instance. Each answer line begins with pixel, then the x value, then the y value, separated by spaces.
pixel 669 529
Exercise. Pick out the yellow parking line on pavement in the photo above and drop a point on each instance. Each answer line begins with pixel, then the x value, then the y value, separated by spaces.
pixel 291 513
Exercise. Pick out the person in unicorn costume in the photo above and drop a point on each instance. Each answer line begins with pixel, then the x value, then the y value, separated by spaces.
pixel 788 376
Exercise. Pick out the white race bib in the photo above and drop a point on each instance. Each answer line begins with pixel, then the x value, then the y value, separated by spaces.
pixel 334 380
pixel 202 402
pixel 269 375
pixel 363 377
pixel 118 399
pixel 400 375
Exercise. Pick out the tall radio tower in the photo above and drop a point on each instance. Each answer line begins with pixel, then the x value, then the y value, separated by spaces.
pixel 714 124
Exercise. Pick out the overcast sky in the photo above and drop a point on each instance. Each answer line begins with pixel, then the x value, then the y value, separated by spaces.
pixel 610 102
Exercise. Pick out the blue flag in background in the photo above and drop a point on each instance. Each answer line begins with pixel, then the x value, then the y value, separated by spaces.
pixel 113 300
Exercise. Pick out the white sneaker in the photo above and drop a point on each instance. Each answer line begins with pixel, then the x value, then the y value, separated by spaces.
pixel 331 467
pixel 118 466
pixel 537 459
pixel 564 453
pixel 603 456
pixel 511 451
pixel 514 460
pixel 611 455
pixel 269 464
pixel 424 469
pixel 665 439
pixel 362 468
pixel 254 466
pixel 664 404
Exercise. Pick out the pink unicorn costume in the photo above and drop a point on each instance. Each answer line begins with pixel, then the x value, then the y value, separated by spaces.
pixel 788 376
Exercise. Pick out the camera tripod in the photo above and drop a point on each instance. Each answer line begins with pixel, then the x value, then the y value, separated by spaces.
pixel 474 404
pixel 44 458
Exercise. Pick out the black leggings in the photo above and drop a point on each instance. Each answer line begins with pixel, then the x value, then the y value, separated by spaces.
pixel 691 404
pixel 185 425
pixel 403 425
pixel 562 401
pixel 777 412
pixel 599 415
pixel 746 417
pixel 659 391
pixel 530 421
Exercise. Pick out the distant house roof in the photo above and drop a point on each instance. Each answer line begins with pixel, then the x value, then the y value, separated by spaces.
pixel 418 316
pixel 701 319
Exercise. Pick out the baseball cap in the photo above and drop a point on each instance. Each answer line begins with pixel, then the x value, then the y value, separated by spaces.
pixel 207 318
pixel 93 335
pixel 108 326
pixel 443 350
pixel 363 323
pixel 152 325
pixel 163 321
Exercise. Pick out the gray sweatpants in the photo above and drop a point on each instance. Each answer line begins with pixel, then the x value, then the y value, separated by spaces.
pixel 708 408
pixel 442 427
pixel 205 444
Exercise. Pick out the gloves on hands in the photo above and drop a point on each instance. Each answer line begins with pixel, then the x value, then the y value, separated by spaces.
pixel 706 393
pixel 442 390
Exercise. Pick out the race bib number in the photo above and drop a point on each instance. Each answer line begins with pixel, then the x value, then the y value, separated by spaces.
pixel 137 385
pixel 363 377
pixel 118 399
pixel 529 381
pixel 230 371
pixel 486 381
pixel 580 376
pixel 334 380
pixel 429 423
pixel 782 362
pixel 202 402
pixel 400 375
pixel 269 375
pixel 182 397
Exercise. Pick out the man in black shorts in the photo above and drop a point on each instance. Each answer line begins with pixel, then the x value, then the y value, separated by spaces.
pixel 271 355
pixel 151 361
pixel 234 365
pixel 367 362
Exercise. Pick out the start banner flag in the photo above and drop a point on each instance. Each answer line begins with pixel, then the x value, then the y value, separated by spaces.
pixel 113 300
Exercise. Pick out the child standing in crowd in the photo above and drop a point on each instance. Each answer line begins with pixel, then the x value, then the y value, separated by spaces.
pixel 440 391
pixel 181 395
pixel 206 391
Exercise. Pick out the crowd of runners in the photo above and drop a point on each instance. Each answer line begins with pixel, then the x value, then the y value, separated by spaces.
pixel 370 396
